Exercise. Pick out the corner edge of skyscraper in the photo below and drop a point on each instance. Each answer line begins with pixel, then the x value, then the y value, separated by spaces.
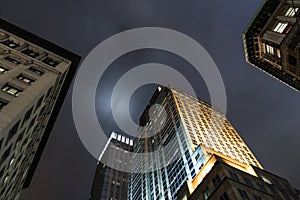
pixel 45 51
pixel 272 38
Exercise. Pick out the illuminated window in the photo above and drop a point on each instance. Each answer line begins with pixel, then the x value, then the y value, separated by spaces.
pixel 269 49
pixel 36 71
pixel 280 27
pixel 51 62
pixel 291 12
pixel 25 79
pixel 30 53
pixel 10 43
pixel 12 90
pixel 3 70
pixel 206 193
pixel 12 60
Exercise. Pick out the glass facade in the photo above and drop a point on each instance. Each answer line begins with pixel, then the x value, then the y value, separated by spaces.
pixel 176 152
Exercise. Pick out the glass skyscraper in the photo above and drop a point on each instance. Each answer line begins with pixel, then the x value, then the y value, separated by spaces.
pixel 191 132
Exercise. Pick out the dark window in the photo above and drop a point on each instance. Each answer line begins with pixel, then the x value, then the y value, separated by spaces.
pixel 292 60
pixel 30 53
pixel 216 180
pixel 2 103
pixel 257 197
pixel 12 90
pixel 224 196
pixel 5 155
pixel 3 70
pixel 51 62
pixel 36 71
pixel 261 187
pixel 248 182
pixel 27 115
pixel 20 136
pixel 1 172
pixel 12 132
pixel 234 176
pixel 10 43
pixel 206 193
pixel 39 103
pixel 12 60
pixel 48 93
pixel 243 194
pixel 25 79
pixel 32 122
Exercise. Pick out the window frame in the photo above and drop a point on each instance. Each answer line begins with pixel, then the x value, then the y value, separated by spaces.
pixel 280 27
pixel 291 11
pixel 22 77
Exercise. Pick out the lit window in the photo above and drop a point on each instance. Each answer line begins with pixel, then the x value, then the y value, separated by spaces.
pixel 280 27
pixel 12 60
pixel 291 12
pixel 10 44
pixel 278 53
pixel 265 179
pixel 3 70
pixel 36 71
pixel 30 53
pixel 12 90
pixel 269 49
pixel 206 193
pixel 25 79
pixel 51 62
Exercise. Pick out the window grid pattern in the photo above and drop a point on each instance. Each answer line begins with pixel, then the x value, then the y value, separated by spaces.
pixel 209 128
pixel 169 168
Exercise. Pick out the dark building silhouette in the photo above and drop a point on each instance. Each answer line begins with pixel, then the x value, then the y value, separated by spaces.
pixel 225 179
pixel 111 183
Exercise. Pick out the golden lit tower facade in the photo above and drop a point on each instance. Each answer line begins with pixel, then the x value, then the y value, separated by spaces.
pixel 34 78
pixel 272 40
pixel 192 132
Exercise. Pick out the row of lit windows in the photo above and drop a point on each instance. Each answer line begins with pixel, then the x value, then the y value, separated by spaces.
pixel 231 136
pixel 30 51
pixel 24 78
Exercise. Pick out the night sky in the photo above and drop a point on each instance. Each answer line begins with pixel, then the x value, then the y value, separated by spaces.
pixel 264 111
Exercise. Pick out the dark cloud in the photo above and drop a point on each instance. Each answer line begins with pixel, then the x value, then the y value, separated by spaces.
pixel 263 110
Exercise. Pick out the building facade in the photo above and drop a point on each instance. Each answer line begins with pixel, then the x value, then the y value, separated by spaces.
pixel 34 78
pixel 192 132
pixel 272 40
pixel 222 178
pixel 112 183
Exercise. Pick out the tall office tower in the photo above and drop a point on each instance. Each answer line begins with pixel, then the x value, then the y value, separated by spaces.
pixel 272 40
pixel 191 133
pixel 112 183
pixel 34 78
pixel 222 178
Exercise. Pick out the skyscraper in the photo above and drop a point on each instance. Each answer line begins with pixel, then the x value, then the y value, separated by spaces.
pixel 112 183
pixel 192 132
pixel 272 40
pixel 225 179
pixel 34 78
